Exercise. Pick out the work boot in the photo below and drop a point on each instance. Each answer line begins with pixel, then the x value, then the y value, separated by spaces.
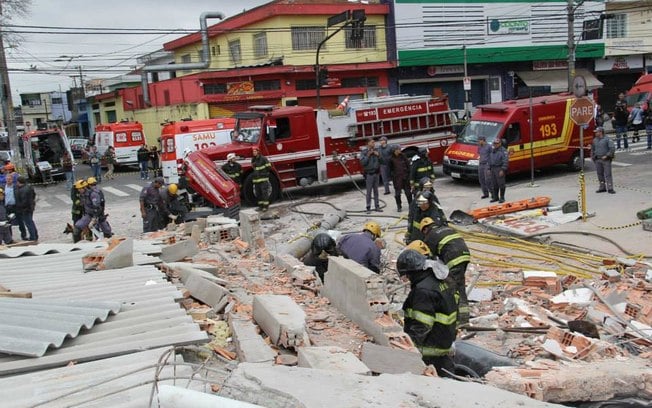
pixel 76 235
pixel 601 190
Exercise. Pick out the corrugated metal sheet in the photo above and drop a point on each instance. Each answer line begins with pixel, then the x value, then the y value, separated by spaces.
pixel 118 382
pixel 149 317
pixel 28 327
pixel 64 259
pixel 43 249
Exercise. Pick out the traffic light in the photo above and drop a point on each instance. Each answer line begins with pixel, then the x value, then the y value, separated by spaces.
pixel 323 76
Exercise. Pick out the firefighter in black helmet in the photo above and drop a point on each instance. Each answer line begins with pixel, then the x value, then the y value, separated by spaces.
pixel 321 247
pixel 423 206
pixel 421 167
pixel 430 311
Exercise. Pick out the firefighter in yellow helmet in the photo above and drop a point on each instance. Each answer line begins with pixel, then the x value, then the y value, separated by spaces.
pixel 176 210
pixel 362 247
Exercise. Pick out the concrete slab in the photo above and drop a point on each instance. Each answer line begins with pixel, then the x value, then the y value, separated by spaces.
pixel 388 360
pixel 206 291
pixel 251 231
pixel 178 251
pixel 188 226
pixel 281 386
pixel 121 255
pixel 249 344
pixel 186 270
pixel 331 358
pixel 282 319
pixel 301 274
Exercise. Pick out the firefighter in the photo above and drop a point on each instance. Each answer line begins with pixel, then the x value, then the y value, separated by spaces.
pixel 262 187
pixel 151 205
pixel 233 169
pixel 93 210
pixel 421 167
pixel 175 209
pixel 430 310
pixel 321 247
pixel 449 246
pixel 77 197
pixel 362 247
pixel 424 206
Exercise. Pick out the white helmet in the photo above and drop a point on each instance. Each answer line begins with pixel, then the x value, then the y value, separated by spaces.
pixel 230 156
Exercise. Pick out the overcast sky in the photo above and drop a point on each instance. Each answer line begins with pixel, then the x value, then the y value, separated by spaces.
pixel 66 28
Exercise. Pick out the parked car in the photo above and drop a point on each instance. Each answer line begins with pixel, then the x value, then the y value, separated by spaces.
pixel 5 155
pixel 78 146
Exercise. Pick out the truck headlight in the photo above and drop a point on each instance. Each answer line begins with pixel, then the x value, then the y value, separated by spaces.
pixel 446 159
pixel 473 163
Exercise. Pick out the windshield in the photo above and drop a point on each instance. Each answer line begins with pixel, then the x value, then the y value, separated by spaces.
pixel 476 128
pixel 637 97
pixel 247 130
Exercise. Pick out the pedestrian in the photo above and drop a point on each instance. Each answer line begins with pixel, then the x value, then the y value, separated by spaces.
pixel 151 205
pixel 425 207
pixel 68 167
pixel 602 153
pixel 370 161
pixel 399 170
pixel 94 210
pixel 449 246
pixel 25 205
pixel 233 169
pixel 430 311
pixel 109 158
pixel 498 164
pixel 484 175
pixel 5 221
pixel 648 125
pixel 421 167
pixel 321 247
pixel 95 160
pixel 636 119
pixel 362 247
pixel 142 155
pixel 260 177
pixel 385 154
pixel 620 121
pixel 9 186
pixel 154 159
pixel 175 210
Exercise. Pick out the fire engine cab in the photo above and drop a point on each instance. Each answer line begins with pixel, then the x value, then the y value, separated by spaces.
pixel 306 146
pixel 125 137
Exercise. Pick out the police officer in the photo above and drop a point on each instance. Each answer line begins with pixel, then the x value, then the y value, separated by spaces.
pixel 430 311
pixel 449 246
pixel 362 247
pixel 175 209
pixel 321 247
pixel 498 163
pixel 424 206
pixel 93 202
pixel 77 210
pixel 484 150
pixel 602 153
pixel 151 205
pixel 260 178
pixel 385 154
pixel 421 167
pixel 370 160
pixel 232 168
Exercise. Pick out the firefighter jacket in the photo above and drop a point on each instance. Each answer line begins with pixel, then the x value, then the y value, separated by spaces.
pixel 77 203
pixel 94 202
pixel 362 249
pixel 233 170
pixel 417 214
pixel 261 168
pixel 422 167
pixel 447 245
pixel 430 312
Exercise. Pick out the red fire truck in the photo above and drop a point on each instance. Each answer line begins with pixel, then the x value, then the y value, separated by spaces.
pixel 181 138
pixel 307 147
pixel 125 137
pixel 555 138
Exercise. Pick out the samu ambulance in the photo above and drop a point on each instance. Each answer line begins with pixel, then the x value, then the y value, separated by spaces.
pixel 554 138
pixel 126 137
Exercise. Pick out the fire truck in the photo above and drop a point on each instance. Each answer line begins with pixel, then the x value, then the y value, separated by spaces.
pixel 181 138
pixel 43 151
pixel 307 147
pixel 126 137
pixel 552 138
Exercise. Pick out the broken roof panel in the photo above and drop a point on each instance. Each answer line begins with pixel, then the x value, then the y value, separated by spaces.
pixel 28 327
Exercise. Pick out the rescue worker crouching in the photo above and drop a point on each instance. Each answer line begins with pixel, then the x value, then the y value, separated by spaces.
pixel 449 246
pixel 363 247
pixel 260 178
pixel 321 247
pixel 94 206
pixel 424 206
pixel 175 209
pixel 151 205
pixel 430 310
pixel 77 196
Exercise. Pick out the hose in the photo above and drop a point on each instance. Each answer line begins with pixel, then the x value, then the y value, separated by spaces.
pixel 592 234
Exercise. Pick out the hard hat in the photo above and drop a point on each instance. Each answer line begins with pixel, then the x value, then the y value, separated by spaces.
pixel 91 181
pixel 373 227
pixel 322 242
pixel 420 246
pixel 172 189
pixel 427 221
pixel 425 183
pixel 10 167
pixel 421 199
pixel 410 261
pixel 230 156
pixel 79 184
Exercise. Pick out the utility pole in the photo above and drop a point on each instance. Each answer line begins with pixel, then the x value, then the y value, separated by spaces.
pixel 571 8
pixel 8 105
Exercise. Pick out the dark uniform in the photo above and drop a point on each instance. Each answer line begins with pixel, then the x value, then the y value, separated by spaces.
pixel 399 168
pixel 449 246
pixel 93 208
pixel 370 161
pixel 321 247
pixel 233 169
pixel 422 167
pixel 498 163
pixel 484 176
pixel 361 248
pixel 5 223
pixel 417 214
pixel 173 206
pixel 260 178
pixel 151 206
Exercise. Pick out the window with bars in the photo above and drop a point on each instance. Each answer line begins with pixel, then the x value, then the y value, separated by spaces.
pixel 235 52
pixel 268 85
pixel 305 84
pixel 212 89
pixel 186 59
pixel 617 26
pixel 307 38
pixel 260 45
pixel 368 39
pixel 359 82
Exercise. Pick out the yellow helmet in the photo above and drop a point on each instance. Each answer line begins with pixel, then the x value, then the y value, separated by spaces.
pixel 426 221
pixel 91 181
pixel 373 227
pixel 420 247
pixel 172 189
pixel 79 184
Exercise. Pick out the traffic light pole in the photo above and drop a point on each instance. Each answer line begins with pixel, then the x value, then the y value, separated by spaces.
pixel 318 67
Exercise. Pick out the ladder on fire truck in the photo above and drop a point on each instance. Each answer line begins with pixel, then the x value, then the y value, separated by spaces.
pixel 409 124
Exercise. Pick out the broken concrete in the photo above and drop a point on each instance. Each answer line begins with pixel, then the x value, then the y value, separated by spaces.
pixel 118 254
pixel 186 270
pixel 251 231
pixel 179 251
pixel 280 387
pixel 208 292
pixel 300 273
pixel 199 222
pixel 331 358
pixel 388 360
pixel 249 345
pixel 282 319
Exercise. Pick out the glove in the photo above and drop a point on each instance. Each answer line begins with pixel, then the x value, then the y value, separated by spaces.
pixel 173 217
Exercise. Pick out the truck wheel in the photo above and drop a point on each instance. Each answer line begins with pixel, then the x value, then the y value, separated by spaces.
pixel 248 190
pixel 574 163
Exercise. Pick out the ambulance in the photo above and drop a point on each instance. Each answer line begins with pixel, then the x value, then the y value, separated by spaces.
pixel 552 139
pixel 180 138
pixel 641 92
pixel 126 137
